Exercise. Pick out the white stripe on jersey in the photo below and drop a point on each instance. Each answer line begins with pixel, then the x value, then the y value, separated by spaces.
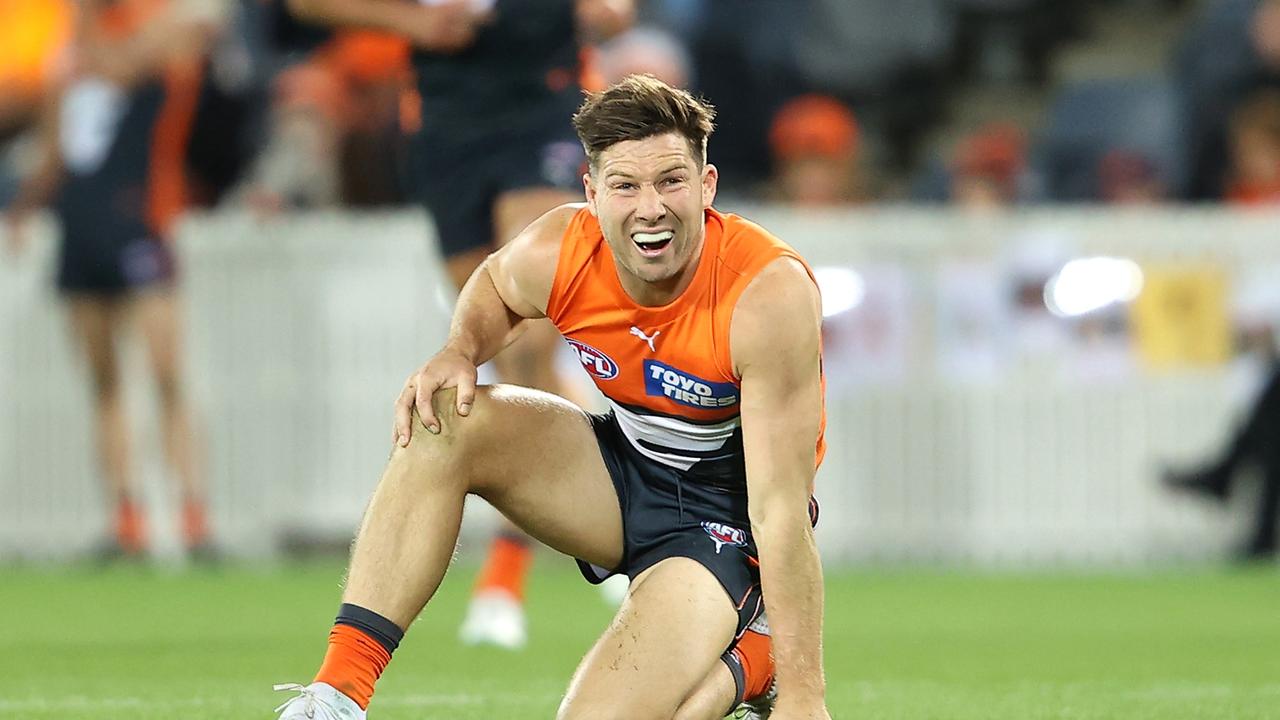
pixel 674 434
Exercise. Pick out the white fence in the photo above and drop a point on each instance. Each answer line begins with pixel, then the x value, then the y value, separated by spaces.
pixel 990 448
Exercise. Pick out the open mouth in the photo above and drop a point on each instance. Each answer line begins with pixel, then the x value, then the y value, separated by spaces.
pixel 652 244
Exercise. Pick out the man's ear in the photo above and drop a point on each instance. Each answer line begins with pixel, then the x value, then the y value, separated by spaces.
pixel 590 188
pixel 710 181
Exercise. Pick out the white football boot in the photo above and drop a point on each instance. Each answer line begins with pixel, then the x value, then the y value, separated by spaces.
pixel 614 589
pixel 318 701
pixel 759 708
pixel 494 618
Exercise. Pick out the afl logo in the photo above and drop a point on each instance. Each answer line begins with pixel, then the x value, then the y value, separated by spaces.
pixel 594 361
pixel 723 535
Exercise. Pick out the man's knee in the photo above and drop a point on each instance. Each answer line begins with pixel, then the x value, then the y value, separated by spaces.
pixel 459 435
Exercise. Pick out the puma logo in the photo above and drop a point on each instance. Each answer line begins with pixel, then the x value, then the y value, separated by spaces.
pixel 647 338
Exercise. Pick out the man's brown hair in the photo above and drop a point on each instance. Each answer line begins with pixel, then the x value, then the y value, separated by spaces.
pixel 640 107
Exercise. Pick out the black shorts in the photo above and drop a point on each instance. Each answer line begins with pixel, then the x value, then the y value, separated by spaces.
pixel 665 514
pixel 97 264
pixel 458 176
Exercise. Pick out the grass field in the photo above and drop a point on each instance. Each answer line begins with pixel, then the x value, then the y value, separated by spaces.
pixel 140 644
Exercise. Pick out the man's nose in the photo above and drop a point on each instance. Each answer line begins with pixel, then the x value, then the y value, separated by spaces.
pixel 650 208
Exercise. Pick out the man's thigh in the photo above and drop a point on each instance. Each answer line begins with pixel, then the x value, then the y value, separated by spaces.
pixel 534 457
pixel 673 627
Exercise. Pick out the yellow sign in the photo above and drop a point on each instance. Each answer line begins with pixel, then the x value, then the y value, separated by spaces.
pixel 1181 317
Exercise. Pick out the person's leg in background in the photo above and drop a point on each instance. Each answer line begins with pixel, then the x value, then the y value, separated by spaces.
pixel 96 323
pixel 1262 542
pixel 160 320
pixel 496 612
pixel 1251 443
pixel 1214 478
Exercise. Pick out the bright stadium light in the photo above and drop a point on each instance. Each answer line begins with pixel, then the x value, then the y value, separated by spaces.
pixel 1088 284
pixel 843 289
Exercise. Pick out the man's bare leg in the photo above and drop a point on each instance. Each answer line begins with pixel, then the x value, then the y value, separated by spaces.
pixel 712 699
pixel 676 609
pixel 160 320
pixel 96 323
pixel 496 615
pixel 530 454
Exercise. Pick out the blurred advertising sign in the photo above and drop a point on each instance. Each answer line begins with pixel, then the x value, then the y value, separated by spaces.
pixel 1181 317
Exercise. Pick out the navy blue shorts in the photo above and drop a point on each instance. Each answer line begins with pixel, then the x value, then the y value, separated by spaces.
pixel 96 264
pixel 458 180
pixel 665 514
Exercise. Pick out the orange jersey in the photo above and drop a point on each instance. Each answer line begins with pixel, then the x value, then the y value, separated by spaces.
pixel 667 371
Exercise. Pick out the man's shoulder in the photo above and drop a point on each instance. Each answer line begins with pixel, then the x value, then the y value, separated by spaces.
pixel 745 241
pixel 552 227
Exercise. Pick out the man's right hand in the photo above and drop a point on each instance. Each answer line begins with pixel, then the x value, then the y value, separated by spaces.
pixel 448 369
pixel 445 27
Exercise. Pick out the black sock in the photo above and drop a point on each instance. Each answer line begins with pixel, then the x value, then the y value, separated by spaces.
pixel 387 633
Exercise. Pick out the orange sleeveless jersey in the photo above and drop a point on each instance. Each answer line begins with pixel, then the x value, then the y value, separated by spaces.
pixel 667 371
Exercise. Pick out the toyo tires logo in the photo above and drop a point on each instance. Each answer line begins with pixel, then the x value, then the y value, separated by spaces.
pixel 593 361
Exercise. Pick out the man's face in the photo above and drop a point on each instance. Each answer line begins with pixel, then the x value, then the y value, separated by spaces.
pixel 649 196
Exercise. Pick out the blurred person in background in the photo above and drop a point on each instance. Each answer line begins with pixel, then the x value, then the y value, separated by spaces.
pixel 334 130
pixel 814 142
pixel 33 36
pixel 376 75
pixel 1254 174
pixel 113 141
pixel 1232 51
pixel 640 51
pixel 988 167
pixel 298 166
pixel 33 40
pixel 498 81
pixel 1130 177
pixel 1253 445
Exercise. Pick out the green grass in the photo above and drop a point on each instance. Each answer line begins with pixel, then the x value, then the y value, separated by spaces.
pixel 137 643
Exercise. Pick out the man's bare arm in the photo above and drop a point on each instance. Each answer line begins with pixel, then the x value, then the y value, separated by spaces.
pixel 510 286
pixel 775 340
pixel 445 27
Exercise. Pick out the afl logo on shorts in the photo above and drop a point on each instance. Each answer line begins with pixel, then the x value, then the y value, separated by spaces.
pixel 594 361
pixel 724 535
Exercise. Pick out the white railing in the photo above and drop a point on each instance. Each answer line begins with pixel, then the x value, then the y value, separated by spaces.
pixel 300 332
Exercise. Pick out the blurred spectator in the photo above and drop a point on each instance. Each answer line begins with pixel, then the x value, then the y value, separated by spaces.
pixel 642 51
pixel 33 36
pixel 988 166
pixel 814 140
pixel 1090 119
pixel 375 73
pixel 1130 177
pixel 298 167
pixel 334 133
pixel 1232 51
pixel 745 54
pixel 113 144
pixel 1255 151
pixel 887 57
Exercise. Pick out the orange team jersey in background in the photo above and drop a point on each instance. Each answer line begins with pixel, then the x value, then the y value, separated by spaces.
pixel 667 371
